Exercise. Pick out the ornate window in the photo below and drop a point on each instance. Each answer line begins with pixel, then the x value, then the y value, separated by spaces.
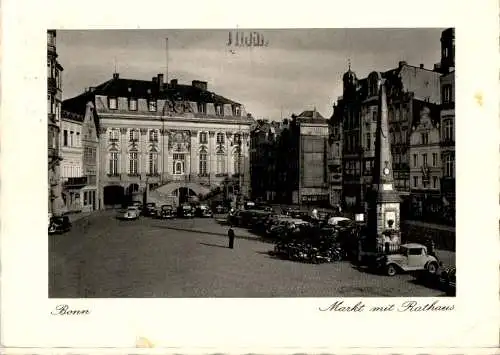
pixel 153 135
pixel 134 135
pixel 113 163
pixel 153 163
pixel 178 164
pixel 133 163
pixel 237 139
pixel 220 138
pixel 221 161
pixel 114 135
pixel 203 162
pixel 237 161
pixel 203 138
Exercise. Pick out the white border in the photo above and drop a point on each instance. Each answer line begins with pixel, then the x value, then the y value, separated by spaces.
pixel 242 325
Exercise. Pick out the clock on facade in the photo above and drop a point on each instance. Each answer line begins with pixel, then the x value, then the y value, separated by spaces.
pixel 386 171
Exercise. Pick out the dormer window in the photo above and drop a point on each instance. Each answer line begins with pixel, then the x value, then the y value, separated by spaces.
pixel 202 107
pixel 236 110
pixel 113 103
pixel 132 104
pixel 152 105
pixel 219 110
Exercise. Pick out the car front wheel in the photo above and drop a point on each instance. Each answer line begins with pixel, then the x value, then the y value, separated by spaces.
pixel 432 268
pixel 391 270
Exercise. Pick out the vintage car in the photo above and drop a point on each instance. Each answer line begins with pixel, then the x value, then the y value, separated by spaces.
pixel 59 224
pixel 448 280
pixel 166 212
pixel 334 221
pixel 410 257
pixel 185 211
pixel 204 211
pixel 130 213
pixel 137 204
pixel 150 209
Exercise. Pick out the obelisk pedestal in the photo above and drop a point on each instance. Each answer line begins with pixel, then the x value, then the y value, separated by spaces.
pixel 383 200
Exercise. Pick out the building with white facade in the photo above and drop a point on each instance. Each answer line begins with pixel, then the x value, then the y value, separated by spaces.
pixel 179 140
pixel 79 151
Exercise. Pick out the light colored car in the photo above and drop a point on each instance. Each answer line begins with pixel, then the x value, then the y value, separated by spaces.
pixel 131 212
pixel 411 257
pixel 335 220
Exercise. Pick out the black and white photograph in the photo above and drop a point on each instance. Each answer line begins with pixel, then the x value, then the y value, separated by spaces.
pixel 258 177
pixel 251 163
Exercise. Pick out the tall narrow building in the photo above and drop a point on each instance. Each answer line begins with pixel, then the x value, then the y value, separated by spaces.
pixel 54 98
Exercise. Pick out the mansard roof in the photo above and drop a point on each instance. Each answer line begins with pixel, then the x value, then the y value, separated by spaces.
pixel 145 89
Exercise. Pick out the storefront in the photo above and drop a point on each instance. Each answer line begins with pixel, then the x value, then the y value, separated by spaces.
pixel 78 196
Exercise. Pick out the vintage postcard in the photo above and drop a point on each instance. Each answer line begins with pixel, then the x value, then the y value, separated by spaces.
pixel 204 180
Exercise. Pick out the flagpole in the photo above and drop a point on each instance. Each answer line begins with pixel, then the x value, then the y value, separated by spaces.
pixel 166 59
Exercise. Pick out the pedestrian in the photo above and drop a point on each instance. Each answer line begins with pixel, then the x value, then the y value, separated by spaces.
pixel 230 234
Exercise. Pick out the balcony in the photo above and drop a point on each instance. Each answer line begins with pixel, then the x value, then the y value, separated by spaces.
pixel 334 162
pixel 75 182
pixel 114 139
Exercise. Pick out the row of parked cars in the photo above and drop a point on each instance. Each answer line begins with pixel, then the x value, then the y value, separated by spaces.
pixel 164 211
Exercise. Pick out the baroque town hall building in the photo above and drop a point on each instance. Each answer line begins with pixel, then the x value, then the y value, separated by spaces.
pixel 180 140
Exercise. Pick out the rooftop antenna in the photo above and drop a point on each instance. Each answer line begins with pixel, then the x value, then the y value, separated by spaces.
pixel 114 63
pixel 349 63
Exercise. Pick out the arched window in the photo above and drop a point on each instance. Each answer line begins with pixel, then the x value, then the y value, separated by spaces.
pixel 221 161
pixel 178 164
pixel 220 138
pixel 203 162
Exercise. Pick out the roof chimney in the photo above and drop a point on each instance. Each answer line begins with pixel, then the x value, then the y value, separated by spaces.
pixel 421 66
pixel 160 81
pixel 200 84
pixel 173 82
pixel 116 75
pixel 402 63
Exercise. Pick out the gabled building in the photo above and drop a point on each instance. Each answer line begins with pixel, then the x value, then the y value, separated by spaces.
pixel 80 160
pixel 425 165
pixel 179 140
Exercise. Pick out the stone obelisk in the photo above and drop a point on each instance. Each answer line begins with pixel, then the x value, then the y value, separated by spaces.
pixel 383 199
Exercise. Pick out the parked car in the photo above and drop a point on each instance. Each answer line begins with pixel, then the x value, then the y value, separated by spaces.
pixel 411 257
pixel 166 212
pixel 203 211
pixel 448 280
pixel 333 221
pixel 130 213
pixel 137 204
pixel 185 211
pixel 59 224
pixel 150 209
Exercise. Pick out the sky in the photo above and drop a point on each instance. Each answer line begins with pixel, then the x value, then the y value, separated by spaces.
pixel 299 69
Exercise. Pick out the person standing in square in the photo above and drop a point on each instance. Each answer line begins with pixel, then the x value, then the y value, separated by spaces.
pixel 230 234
